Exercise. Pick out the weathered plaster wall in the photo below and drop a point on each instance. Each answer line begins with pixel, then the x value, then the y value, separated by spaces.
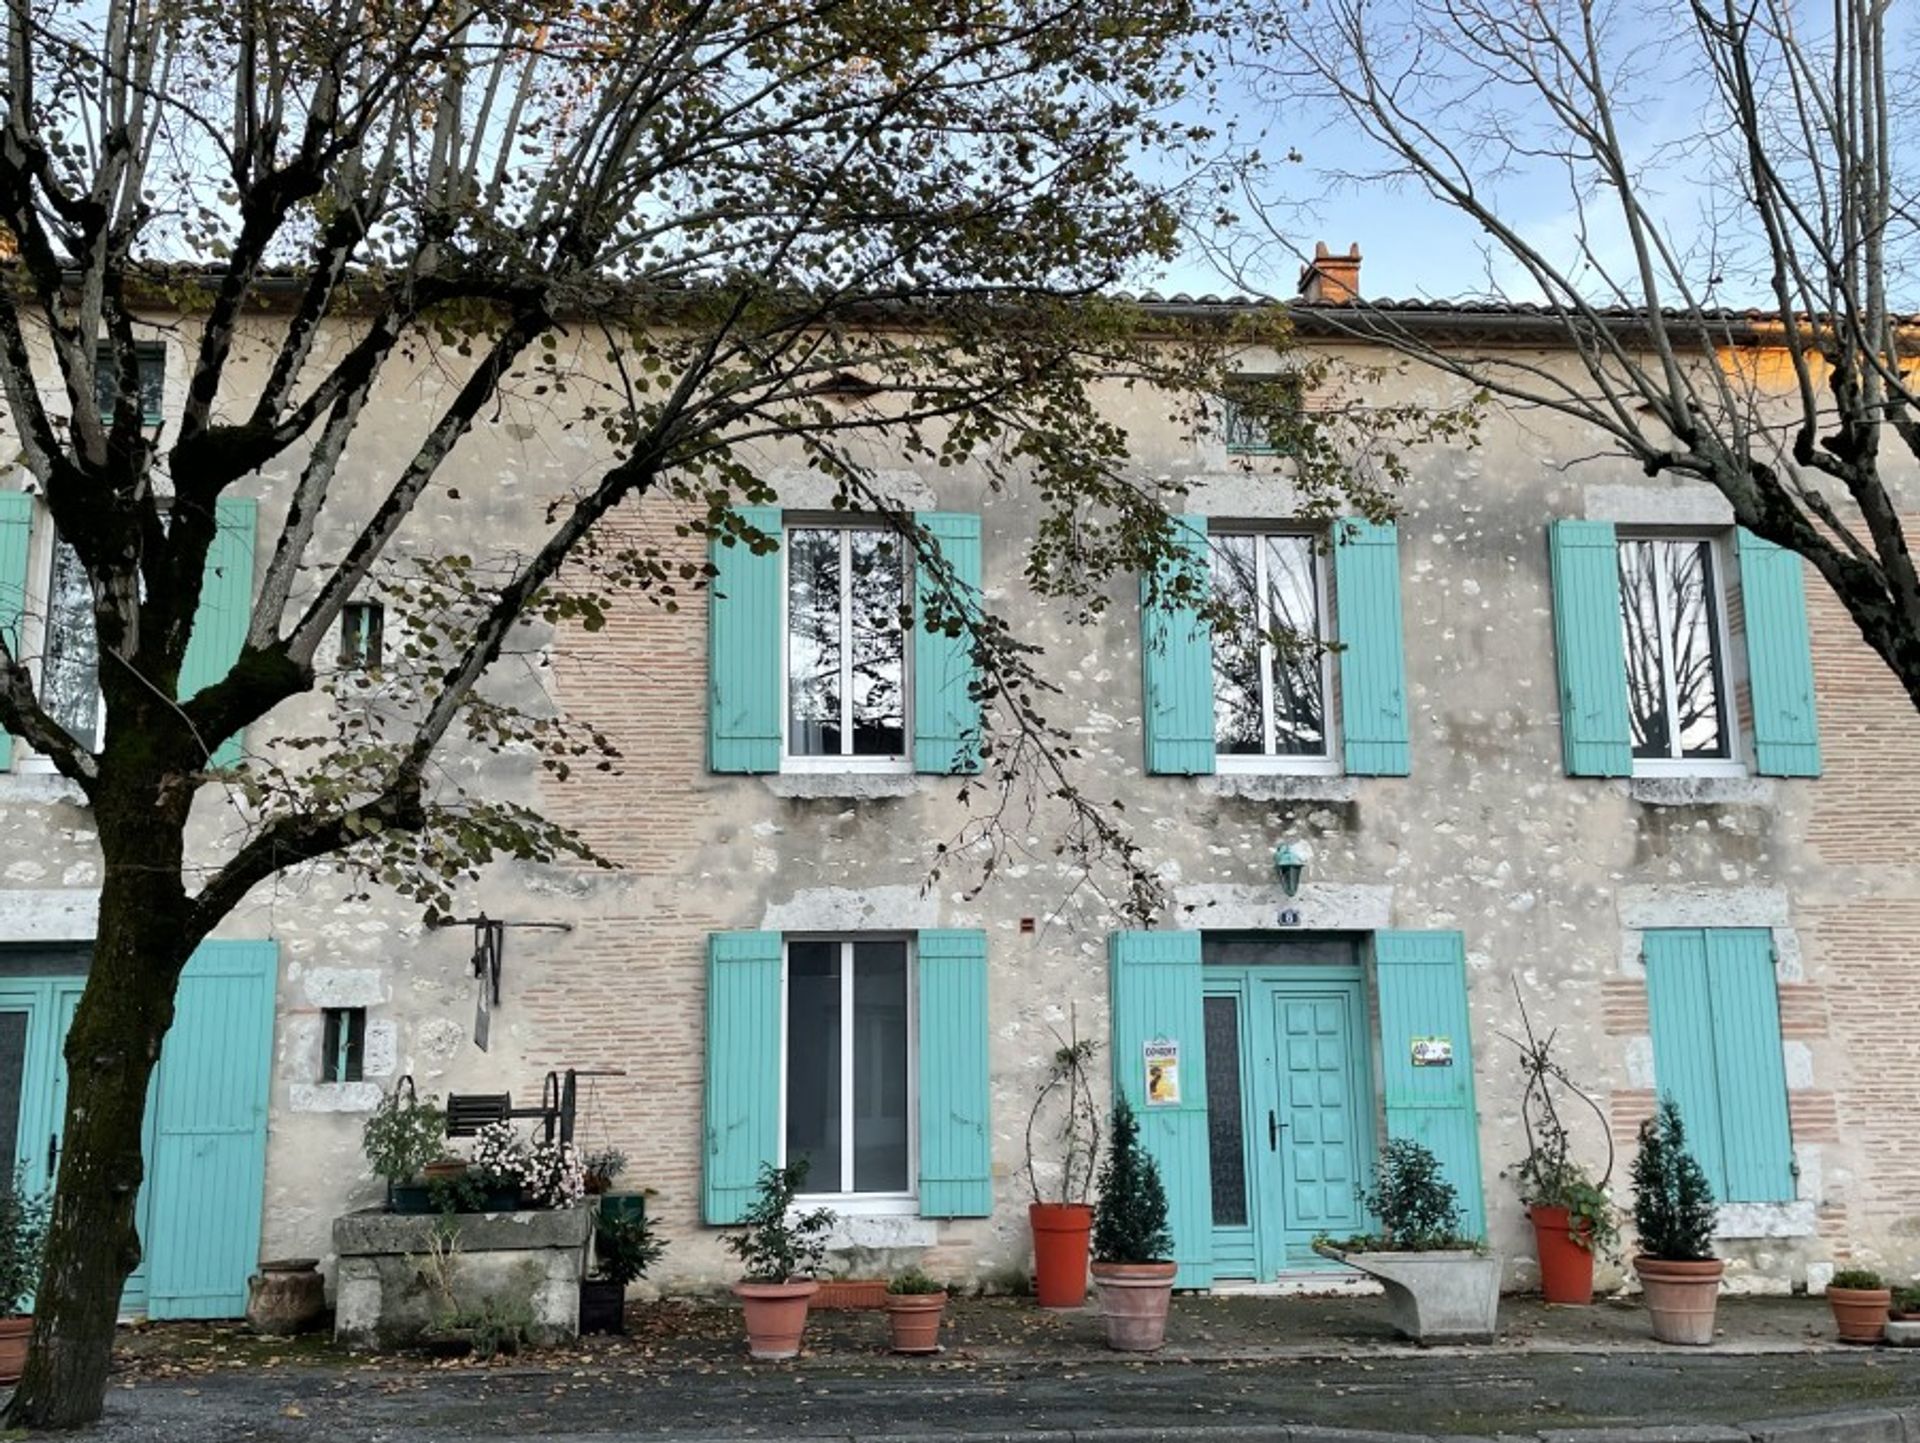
pixel 1549 877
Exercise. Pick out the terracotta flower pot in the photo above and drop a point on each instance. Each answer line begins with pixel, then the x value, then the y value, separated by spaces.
pixel 1566 1262
pixel 776 1316
pixel 913 1319
pixel 1060 1253
pixel 1134 1298
pixel 13 1347
pixel 1681 1298
pixel 1860 1314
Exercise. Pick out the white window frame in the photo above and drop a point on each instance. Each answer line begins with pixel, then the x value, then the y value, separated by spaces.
pixel 841 1200
pixel 901 765
pixel 1734 763
pixel 1269 763
pixel 35 625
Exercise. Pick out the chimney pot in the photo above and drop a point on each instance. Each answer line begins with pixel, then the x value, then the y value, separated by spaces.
pixel 1331 280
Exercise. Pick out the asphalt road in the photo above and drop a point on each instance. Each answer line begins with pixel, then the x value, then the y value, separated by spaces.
pixel 1465 1394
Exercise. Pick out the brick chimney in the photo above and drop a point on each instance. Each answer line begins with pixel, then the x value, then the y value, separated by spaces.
pixel 1331 280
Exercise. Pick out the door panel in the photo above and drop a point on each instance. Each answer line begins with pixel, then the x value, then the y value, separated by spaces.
pixel 1320 1122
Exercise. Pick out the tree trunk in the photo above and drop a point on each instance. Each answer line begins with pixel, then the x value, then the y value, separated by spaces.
pixel 111 1049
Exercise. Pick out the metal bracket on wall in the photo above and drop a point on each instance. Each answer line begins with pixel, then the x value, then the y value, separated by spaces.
pixel 489 947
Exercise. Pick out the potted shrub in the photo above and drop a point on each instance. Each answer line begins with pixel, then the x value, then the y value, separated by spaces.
pixel 623 1249
pixel 1572 1217
pixel 1674 1214
pixel 1132 1249
pixel 402 1136
pixel 1906 1306
pixel 1861 1301
pixel 23 1232
pixel 1060 1217
pixel 779 1251
pixel 1438 1283
pixel 915 1303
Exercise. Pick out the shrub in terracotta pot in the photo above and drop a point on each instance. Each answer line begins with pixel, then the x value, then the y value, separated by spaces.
pixel 1439 1283
pixel 779 1251
pixel 1573 1218
pixel 1906 1306
pixel 1132 1249
pixel 1861 1301
pixel 915 1303
pixel 23 1233
pixel 1673 1212
pixel 1064 1121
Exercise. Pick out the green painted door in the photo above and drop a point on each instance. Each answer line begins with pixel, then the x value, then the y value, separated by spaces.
pixel 1319 1123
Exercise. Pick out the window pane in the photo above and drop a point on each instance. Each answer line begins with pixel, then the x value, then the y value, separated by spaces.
pixel 70 669
pixel 813 1061
pixel 877 587
pixel 1237 727
pixel 1226 1124
pixel 1293 611
pixel 1646 684
pixel 813 642
pixel 1693 641
pixel 880 1067
pixel 13 1066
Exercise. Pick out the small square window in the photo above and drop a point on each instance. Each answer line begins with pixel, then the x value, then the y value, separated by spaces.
pixel 343 1044
pixel 1262 415
pixel 152 360
pixel 362 624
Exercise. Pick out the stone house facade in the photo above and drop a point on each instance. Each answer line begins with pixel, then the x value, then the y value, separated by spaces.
pixel 1577 743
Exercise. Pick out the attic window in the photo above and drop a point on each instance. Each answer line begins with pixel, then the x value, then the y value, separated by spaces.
pixel 1261 415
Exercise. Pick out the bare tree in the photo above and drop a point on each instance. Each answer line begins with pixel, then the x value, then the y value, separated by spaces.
pixel 1779 188
pixel 739 205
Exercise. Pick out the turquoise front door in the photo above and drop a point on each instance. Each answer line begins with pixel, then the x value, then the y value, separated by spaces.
pixel 1321 1118
pixel 198 1212
pixel 1290 1109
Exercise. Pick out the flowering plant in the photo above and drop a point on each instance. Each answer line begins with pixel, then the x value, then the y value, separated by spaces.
pixel 499 1155
pixel 555 1176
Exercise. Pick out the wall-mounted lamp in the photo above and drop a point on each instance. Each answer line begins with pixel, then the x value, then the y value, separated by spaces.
pixel 1290 865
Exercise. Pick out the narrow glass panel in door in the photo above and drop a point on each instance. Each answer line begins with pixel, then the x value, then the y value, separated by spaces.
pixel 1235 1247
pixel 13 1080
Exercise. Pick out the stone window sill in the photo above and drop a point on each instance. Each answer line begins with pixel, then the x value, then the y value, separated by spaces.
pixel 1281 787
pixel 40 784
pixel 1702 791
pixel 1765 1220
pixel 853 786
pixel 333 1096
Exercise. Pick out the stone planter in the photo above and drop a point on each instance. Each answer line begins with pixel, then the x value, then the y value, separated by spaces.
pixel 1134 1299
pixel 1681 1298
pixel 286 1296
pixel 913 1321
pixel 531 1261
pixel 1452 1295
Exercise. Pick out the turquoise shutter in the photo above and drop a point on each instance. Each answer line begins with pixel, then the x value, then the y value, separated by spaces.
pixel 743 652
pixel 1786 734
pixel 1756 1138
pixel 1680 1011
pixel 1594 735
pixel 743 1069
pixel 208 1154
pixel 946 715
pixel 1156 983
pixel 16 530
pixel 1715 1015
pixel 956 1141
pixel 1176 662
pixel 1373 671
pixel 1421 979
pixel 226 609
